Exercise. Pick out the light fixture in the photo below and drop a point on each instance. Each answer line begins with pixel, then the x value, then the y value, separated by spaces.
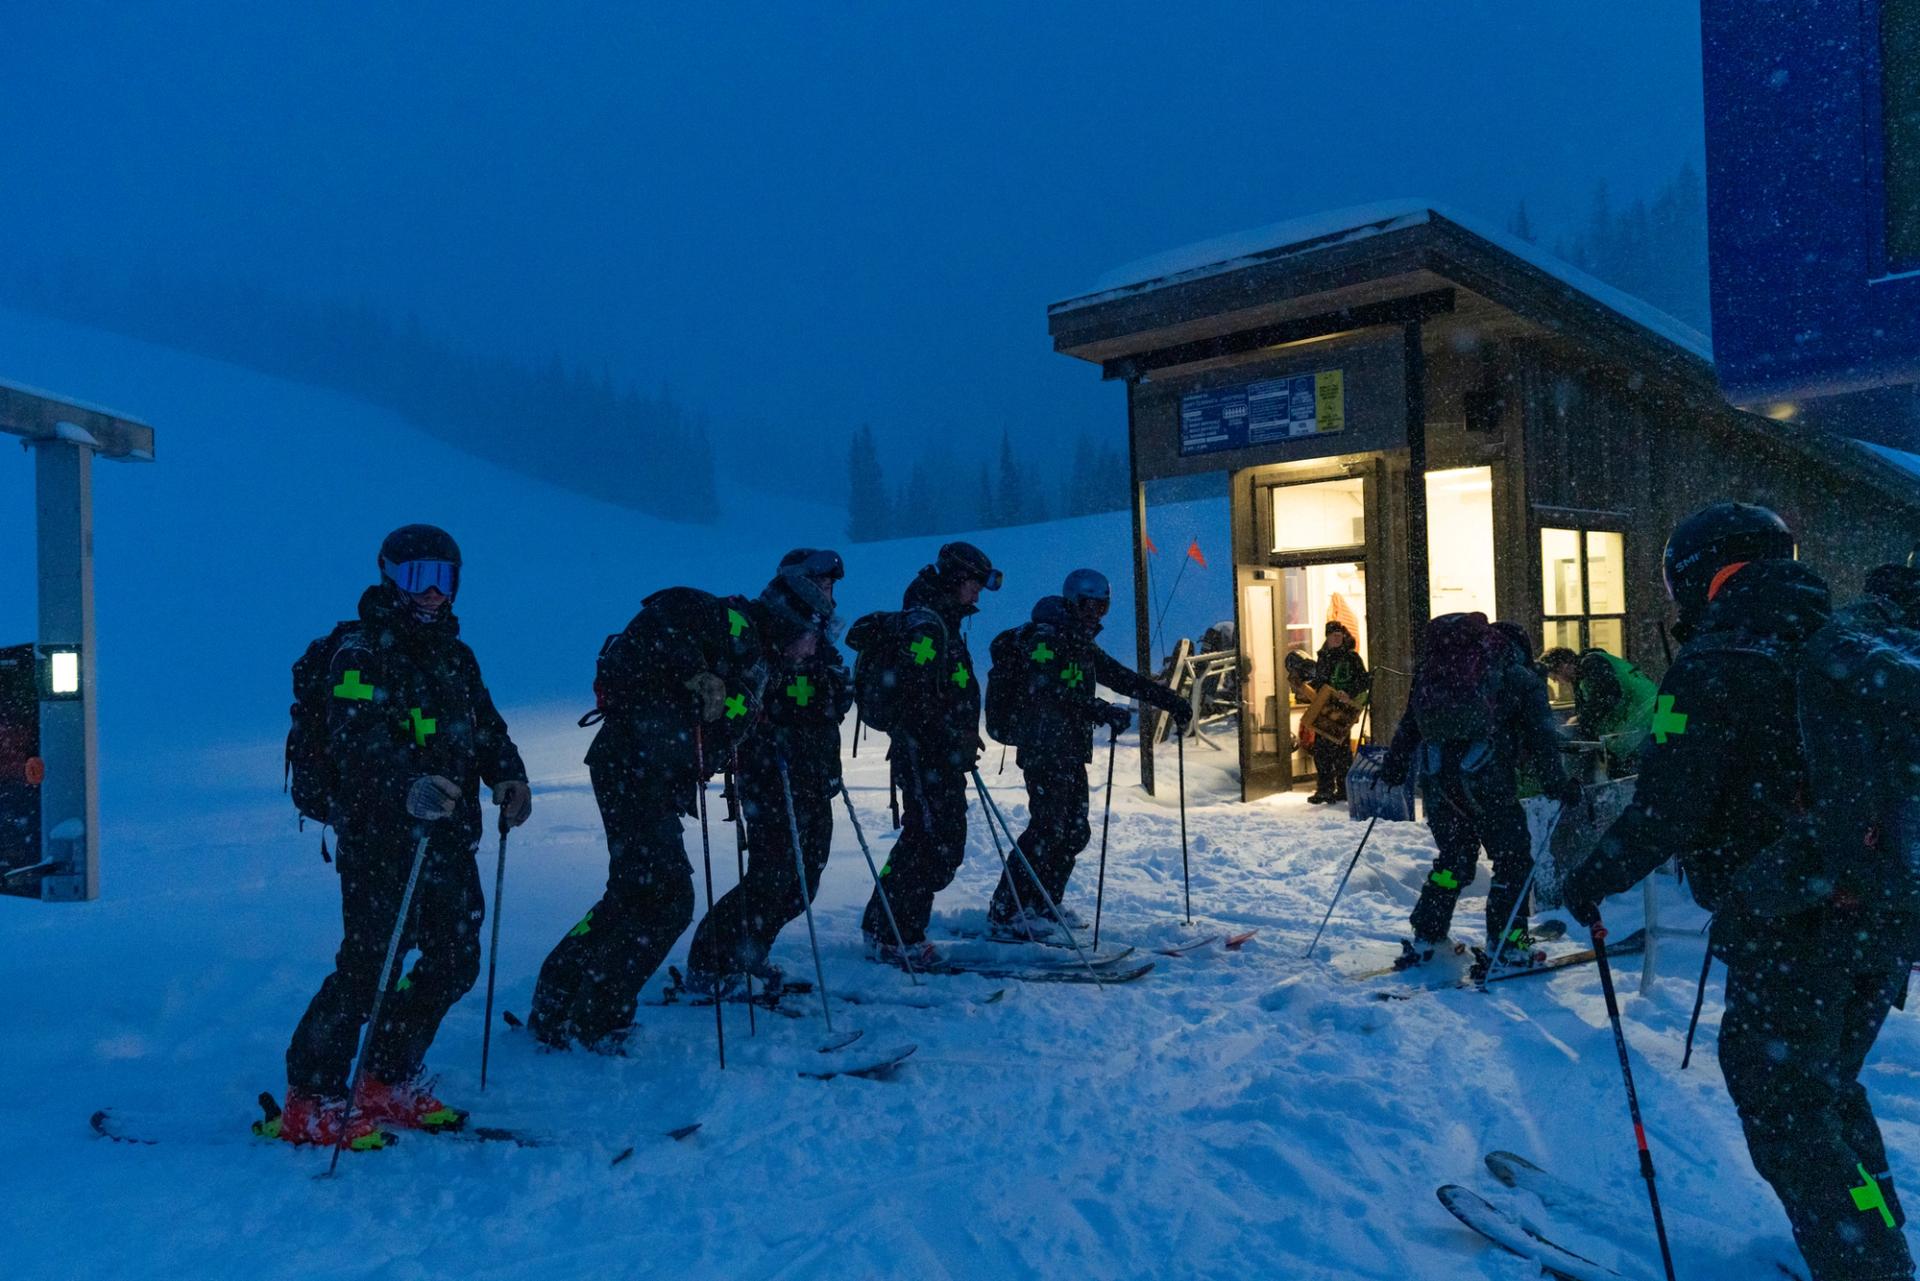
pixel 1784 412
pixel 60 673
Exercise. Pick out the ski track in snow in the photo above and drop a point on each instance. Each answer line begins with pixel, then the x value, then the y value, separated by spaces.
pixel 1243 1113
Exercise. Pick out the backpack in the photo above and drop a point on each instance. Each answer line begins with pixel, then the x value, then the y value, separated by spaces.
pixel 878 639
pixel 309 774
pixel 1457 694
pixel 636 664
pixel 1009 686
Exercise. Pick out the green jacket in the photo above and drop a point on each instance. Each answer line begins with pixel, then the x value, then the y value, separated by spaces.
pixel 1613 704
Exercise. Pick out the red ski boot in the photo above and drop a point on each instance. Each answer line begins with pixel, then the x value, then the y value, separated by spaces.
pixel 409 1105
pixel 311 1119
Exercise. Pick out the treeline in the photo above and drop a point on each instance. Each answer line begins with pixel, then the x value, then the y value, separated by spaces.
pixel 940 495
pixel 561 423
pixel 1655 250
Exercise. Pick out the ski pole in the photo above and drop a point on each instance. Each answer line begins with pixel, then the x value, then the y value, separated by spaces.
pixel 379 997
pixel 1106 816
pixel 885 904
pixel 1341 888
pixel 738 812
pixel 493 954
pixel 806 896
pixel 1186 880
pixel 1633 1100
pixel 1053 909
pixel 1699 999
pixel 706 857
pixel 1526 888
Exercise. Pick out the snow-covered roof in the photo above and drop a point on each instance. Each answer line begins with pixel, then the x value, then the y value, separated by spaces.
pixel 1295 236
pixel 1909 463
pixel 71 402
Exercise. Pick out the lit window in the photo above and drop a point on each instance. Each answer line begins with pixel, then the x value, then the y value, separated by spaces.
pixel 1317 517
pixel 1460 541
pixel 63 674
pixel 1583 589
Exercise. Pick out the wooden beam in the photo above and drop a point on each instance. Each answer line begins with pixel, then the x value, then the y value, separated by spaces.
pixel 1393 311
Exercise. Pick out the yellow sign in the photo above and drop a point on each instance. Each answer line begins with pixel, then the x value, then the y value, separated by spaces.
pixel 1329 401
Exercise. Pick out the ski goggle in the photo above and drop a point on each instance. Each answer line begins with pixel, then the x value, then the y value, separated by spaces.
pixel 821 564
pixel 414 577
pixel 1095 605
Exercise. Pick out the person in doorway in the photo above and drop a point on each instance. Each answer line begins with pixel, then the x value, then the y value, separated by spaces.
pixel 1477 714
pixel 792 756
pixel 411 735
pixel 1339 667
pixel 1780 774
pixel 1058 662
pixel 1613 702
pixel 675 693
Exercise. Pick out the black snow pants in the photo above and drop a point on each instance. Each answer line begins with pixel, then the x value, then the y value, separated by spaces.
pixel 932 845
pixel 1461 825
pixel 739 932
pixel 591 981
pixel 1332 758
pixel 1057 830
pixel 444 929
pixel 1796 1032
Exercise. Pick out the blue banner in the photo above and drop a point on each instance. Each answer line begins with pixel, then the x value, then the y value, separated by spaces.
pixel 1263 413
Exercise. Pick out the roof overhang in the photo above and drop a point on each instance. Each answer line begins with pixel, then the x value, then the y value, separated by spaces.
pixel 39 415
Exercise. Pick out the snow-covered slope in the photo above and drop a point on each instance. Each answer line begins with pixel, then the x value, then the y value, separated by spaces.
pixel 1247 1114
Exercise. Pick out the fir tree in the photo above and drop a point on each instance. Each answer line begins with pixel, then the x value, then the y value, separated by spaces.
pixel 869 514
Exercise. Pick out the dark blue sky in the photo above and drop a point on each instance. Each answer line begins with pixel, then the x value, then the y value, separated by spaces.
pixel 803 216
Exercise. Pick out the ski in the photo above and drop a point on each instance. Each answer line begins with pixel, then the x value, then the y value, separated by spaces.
pixel 1508 1232
pixel 876 1065
pixel 1059 974
pixel 1627 945
pixel 1185 949
pixel 1236 941
pixel 932 1003
pixel 1453 948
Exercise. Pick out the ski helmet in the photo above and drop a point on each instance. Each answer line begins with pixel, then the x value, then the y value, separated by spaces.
pixel 416 557
pixel 1704 544
pixel 958 561
pixel 801 572
pixel 1087 584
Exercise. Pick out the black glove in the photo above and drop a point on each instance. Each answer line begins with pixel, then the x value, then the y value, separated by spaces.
pixel 1585 911
pixel 1117 718
pixel 1182 714
pixel 1569 791
pixel 1393 773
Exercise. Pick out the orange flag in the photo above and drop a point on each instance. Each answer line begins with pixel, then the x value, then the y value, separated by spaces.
pixel 1193 553
pixel 1148 543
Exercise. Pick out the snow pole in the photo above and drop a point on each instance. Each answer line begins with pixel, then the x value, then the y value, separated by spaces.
pixel 1633 1100
pixel 1186 879
pixel 800 870
pixel 1053 909
pixel 885 904
pixel 706 857
pixel 1526 888
pixel 738 812
pixel 1106 817
pixel 1167 604
pixel 1699 999
pixel 493 954
pixel 1342 887
pixel 380 996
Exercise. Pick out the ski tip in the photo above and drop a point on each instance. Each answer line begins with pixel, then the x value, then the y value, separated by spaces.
pixel 511 1019
pixel 683 1132
pixel 1236 941
pixel 623 1154
pixel 1509 1166
pixel 842 1041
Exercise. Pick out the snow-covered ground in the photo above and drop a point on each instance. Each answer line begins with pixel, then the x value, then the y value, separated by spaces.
pixel 1248 1114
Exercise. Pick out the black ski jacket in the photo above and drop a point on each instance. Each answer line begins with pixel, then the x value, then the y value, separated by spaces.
pixel 1063 664
pixel 1524 733
pixel 651 715
pixel 939 694
pixel 805 703
pixel 408 701
pixel 1724 773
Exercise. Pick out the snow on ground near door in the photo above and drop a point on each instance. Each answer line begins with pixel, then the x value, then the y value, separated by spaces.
pixel 1250 1113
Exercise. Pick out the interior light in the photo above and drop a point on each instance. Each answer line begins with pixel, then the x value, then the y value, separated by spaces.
pixel 63 673
pixel 1784 412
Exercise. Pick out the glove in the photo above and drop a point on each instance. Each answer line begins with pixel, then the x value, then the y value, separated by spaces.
pixel 1585 911
pixel 515 800
pixel 1182 715
pixel 1393 773
pixel 1569 791
pixel 1118 718
pixel 710 695
pixel 432 797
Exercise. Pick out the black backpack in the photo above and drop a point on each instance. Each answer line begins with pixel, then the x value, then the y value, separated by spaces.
pixel 878 640
pixel 1009 686
pixel 1456 693
pixel 309 773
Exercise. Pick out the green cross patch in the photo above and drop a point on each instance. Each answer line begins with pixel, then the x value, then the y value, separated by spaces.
pixel 1073 675
pixel 1445 880
pixel 352 689
pixel 736 623
pixel 922 651
pixel 1868 1197
pixel 801 691
pixel 1041 654
pixel 583 928
pixel 1666 721
pixel 736 706
pixel 423 727
pixel 960 676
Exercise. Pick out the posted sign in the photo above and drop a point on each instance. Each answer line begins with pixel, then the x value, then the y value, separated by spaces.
pixel 1263 413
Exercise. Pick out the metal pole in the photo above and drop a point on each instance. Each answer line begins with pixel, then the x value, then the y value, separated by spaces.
pixel 706 857
pixel 1142 638
pixel 1526 888
pixel 993 814
pixel 493 954
pixel 1699 999
pixel 1633 1100
pixel 1419 597
pixel 885 905
pixel 1106 817
pixel 1341 888
pixel 806 898
pixel 739 814
pixel 1186 880
pixel 379 998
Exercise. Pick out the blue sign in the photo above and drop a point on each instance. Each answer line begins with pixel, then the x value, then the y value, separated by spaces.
pixel 1813 195
pixel 1263 413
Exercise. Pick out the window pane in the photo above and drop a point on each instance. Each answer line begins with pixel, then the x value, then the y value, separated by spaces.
pixel 1560 571
pixel 1311 517
pixel 1606 573
pixel 1608 634
pixel 1460 540
pixel 1562 631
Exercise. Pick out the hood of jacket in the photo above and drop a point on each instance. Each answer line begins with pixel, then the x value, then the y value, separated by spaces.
pixel 1776 599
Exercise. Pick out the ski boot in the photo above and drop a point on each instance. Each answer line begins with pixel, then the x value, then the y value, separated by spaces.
pixel 1413 954
pixel 1026 927
pixel 409 1105
pixel 310 1119
pixel 1516 954
pixel 921 955
pixel 706 984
